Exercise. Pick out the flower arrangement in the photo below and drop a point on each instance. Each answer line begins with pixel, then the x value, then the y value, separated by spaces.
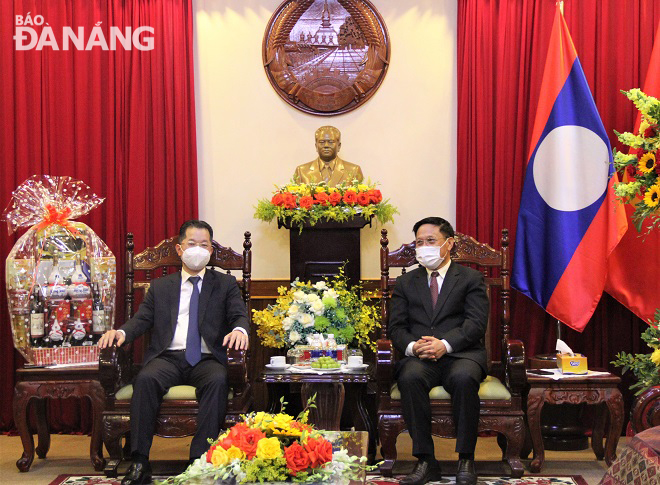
pixel 641 166
pixel 269 448
pixel 645 367
pixel 328 306
pixel 310 203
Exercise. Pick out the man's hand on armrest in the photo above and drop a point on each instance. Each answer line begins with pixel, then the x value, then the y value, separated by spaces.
pixel 236 339
pixel 109 337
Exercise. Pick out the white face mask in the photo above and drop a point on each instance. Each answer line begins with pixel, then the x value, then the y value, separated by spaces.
pixel 429 256
pixel 196 258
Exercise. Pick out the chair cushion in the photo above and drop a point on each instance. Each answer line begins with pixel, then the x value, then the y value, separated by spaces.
pixel 491 388
pixel 175 393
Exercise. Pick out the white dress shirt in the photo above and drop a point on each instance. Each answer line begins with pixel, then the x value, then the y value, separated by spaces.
pixel 442 272
pixel 181 330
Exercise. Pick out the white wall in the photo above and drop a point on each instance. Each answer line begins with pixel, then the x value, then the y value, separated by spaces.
pixel 248 139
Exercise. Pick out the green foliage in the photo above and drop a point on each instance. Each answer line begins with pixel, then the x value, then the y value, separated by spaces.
pixel 264 471
pixel 643 367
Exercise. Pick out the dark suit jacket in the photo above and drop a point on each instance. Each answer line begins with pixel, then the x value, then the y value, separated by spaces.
pixel 221 309
pixel 460 316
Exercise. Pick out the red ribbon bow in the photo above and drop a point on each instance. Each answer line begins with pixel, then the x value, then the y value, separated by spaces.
pixel 53 216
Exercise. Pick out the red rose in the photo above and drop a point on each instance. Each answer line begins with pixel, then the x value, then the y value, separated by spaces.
pixel 248 442
pixel 209 453
pixel 335 198
pixel 289 200
pixel 363 198
pixel 321 198
pixel 278 199
pixel 350 197
pixel 234 435
pixel 375 196
pixel 319 451
pixel 297 458
pixel 650 131
pixel 306 202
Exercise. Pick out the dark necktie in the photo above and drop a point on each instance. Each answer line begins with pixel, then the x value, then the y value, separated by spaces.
pixel 434 287
pixel 194 339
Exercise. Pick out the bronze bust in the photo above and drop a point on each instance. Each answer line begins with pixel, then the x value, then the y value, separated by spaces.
pixel 328 167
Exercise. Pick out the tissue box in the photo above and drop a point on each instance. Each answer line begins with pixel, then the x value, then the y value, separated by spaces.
pixel 572 364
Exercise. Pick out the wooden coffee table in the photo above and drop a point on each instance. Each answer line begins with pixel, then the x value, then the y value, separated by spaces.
pixel 600 391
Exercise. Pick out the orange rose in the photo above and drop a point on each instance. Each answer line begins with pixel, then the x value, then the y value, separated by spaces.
pixel 248 442
pixel 322 198
pixel 289 200
pixel 335 198
pixel 297 458
pixel 363 198
pixel 278 200
pixel 350 197
pixel 375 196
pixel 306 202
pixel 209 453
pixel 319 451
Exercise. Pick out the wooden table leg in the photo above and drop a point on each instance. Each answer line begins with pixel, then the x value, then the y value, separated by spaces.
pixel 329 403
pixel 97 397
pixel 535 401
pixel 599 431
pixel 361 419
pixel 614 401
pixel 42 427
pixel 22 398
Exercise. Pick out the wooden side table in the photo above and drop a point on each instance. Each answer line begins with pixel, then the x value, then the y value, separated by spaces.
pixel 600 391
pixel 331 390
pixel 39 384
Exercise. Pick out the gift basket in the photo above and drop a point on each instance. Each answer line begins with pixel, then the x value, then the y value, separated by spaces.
pixel 60 276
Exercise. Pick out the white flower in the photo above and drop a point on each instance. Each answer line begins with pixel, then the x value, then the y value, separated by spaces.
pixel 294 336
pixel 330 294
pixel 318 307
pixel 293 309
pixel 299 296
pixel 320 285
pixel 306 320
pixel 286 323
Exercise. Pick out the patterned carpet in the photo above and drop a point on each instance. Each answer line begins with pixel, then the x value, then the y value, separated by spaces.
pixel 639 463
pixel 371 480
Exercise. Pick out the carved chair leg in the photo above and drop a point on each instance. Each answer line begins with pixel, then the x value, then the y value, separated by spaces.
pixel 22 398
pixel 114 427
pixel 388 430
pixel 502 442
pixel 515 439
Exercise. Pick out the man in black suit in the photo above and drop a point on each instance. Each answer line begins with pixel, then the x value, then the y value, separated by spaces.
pixel 438 320
pixel 194 316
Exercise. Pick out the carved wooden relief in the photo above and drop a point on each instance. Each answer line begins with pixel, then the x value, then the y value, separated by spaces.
pixel 326 57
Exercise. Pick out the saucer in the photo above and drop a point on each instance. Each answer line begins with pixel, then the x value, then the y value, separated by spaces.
pixel 334 369
pixel 355 367
pixel 277 367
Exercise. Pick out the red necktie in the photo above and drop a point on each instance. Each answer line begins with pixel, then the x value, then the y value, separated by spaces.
pixel 434 287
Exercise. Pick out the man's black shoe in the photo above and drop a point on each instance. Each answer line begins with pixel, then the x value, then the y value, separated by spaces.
pixel 466 474
pixel 137 474
pixel 424 471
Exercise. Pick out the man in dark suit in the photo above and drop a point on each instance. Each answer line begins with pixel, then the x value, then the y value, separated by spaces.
pixel 438 319
pixel 194 315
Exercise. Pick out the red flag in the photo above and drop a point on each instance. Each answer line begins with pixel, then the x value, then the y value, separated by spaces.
pixel 634 265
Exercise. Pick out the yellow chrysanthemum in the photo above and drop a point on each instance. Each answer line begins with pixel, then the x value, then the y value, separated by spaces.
pixel 269 448
pixel 655 357
pixel 652 196
pixel 219 457
pixel 235 453
pixel 647 163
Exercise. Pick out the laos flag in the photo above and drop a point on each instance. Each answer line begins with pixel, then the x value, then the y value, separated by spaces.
pixel 568 223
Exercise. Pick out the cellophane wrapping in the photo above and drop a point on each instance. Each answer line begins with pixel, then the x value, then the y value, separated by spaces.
pixel 60 276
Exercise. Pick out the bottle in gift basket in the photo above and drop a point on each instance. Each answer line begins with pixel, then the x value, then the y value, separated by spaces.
pixel 56 288
pixel 55 334
pixel 98 314
pixel 78 334
pixel 37 318
pixel 79 286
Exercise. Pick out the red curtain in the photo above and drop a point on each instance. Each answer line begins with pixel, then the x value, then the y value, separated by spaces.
pixel 502 47
pixel 123 121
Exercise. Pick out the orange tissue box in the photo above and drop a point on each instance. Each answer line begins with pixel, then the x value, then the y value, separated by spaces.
pixel 572 364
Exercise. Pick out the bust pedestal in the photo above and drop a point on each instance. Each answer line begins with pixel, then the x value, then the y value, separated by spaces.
pixel 320 250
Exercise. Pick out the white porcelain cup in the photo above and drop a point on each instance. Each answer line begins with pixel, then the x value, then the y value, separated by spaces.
pixel 278 361
pixel 354 361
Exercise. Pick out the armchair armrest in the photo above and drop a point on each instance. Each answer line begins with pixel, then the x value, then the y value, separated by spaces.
pixel 516 375
pixel 385 361
pixel 237 369
pixel 115 368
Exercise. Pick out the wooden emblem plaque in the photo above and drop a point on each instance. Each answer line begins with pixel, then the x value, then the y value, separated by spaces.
pixel 326 57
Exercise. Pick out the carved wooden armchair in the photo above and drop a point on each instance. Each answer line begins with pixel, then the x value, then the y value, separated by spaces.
pixel 178 412
pixel 500 393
